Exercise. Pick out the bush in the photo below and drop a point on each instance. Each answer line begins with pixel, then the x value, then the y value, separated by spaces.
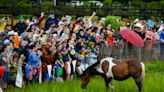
pixel 113 20
pixel 74 17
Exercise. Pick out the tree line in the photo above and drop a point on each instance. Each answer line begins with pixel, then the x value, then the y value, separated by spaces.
pixel 107 3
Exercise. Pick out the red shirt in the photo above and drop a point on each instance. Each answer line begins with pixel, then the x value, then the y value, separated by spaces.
pixel 110 40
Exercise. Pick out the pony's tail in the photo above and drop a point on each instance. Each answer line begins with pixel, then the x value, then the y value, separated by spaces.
pixel 143 72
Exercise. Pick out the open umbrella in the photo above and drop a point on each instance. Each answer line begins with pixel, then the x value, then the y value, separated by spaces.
pixel 132 37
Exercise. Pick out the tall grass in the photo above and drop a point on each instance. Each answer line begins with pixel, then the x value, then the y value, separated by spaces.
pixel 154 81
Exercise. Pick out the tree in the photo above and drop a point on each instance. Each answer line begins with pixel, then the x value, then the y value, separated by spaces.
pixel 137 3
pixel 108 2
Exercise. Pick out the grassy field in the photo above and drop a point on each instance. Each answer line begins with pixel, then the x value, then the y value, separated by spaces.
pixel 154 81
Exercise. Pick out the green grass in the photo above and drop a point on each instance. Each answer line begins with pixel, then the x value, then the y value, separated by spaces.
pixel 154 81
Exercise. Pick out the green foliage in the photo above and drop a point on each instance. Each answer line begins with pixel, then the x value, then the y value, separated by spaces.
pixel 107 3
pixel 24 4
pixel 95 18
pixel 73 17
pixel 16 3
pixel 156 4
pixel 116 3
pixel 6 2
pixel 113 20
pixel 153 4
pixel 87 4
pixel 46 5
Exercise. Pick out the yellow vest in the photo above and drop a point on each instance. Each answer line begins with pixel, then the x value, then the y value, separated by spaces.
pixel 2 26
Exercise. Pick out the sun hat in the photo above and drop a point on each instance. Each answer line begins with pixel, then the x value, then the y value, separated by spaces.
pixel 138 25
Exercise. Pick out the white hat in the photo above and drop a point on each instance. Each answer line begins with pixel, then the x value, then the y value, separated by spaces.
pixel 136 20
pixel 139 25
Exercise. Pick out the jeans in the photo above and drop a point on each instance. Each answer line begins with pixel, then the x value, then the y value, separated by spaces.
pixel 46 75
pixel 7 76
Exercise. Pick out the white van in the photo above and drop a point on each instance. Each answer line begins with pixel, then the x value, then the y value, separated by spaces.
pixel 76 3
pixel 97 3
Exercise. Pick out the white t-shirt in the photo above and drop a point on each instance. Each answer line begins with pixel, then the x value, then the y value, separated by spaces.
pixel 161 28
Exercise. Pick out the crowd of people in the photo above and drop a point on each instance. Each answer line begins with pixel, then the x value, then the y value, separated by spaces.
pixel 62 48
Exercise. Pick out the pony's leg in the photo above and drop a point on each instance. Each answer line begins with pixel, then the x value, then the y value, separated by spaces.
pixel 139 83
pixel 107 84
pixel 140 80
pixel 111 85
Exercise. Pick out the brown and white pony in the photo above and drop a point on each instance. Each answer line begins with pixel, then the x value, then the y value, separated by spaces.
pixel 110 68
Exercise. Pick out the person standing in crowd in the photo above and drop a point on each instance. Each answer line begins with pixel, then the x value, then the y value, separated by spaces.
pixel 16 41
pixel 3 22
pixel 40 20
pixel 22 48
pixel 53 19
pixel 46 60
pixel 66 59
pixel 21 26
pixel 150 22
pixel 33 63
pixel 5 61
pixel 110 39
pixel 59 65
pixel 32 21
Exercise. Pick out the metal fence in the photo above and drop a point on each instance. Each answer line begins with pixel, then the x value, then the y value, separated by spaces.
pixel 123 50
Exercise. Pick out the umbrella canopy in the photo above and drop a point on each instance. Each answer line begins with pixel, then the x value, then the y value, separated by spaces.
pixel 132 37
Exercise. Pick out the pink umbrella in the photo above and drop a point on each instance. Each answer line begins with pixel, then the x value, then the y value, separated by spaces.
pixel 132 37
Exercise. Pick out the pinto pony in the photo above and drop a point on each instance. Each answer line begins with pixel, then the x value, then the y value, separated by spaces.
pixel 110 68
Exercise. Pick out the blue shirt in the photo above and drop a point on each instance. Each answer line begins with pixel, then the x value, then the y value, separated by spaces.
pixel 33 58
pixel 48 21
pixel 161 35
pixel 150 23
